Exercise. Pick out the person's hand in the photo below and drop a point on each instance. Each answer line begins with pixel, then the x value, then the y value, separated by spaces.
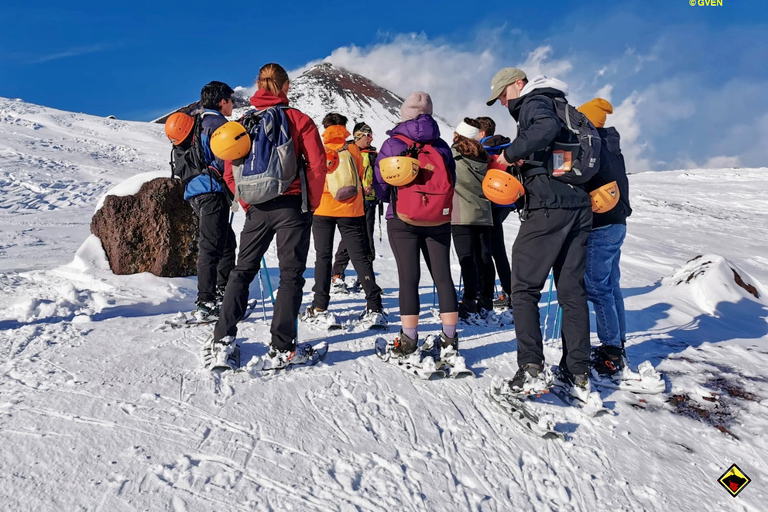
pixel 368 190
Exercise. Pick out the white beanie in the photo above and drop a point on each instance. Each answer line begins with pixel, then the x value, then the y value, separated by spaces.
pixel 467 131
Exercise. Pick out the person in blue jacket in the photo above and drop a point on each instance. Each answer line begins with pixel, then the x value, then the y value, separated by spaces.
pixel 208 196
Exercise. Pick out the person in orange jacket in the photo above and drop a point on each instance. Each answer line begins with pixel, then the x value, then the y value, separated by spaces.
pixel 286 217
pixel 349 216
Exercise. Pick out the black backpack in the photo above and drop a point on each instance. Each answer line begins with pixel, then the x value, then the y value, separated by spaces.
pixel 576 151
pixel 187 158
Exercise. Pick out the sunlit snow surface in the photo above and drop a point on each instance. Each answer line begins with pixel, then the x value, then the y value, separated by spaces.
pixel 104 407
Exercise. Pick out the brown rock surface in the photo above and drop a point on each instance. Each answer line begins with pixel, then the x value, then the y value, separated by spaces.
pixel 153 231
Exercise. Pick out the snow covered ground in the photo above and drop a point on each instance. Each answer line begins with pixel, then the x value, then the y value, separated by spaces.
pixel 104 407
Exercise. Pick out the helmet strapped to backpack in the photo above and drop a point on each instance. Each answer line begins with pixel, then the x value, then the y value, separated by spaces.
pixel 605 198
pixel 331 159
pixel 230 141
pixel 502 188
pixel 399 171
pixel 178 126
pixel 427 200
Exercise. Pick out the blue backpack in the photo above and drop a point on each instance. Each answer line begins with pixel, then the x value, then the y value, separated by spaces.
pixel 270 167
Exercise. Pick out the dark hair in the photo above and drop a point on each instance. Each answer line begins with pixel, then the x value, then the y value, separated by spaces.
pixel 213 93
pixel 272 77
pixel 487 125
pixel 469 147
pixel 333 118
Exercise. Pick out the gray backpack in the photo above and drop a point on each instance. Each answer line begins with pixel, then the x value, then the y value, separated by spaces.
pixel 270 167
pixel 576 152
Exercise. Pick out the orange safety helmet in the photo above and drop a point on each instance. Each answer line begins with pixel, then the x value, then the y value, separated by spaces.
pixel 230 141
pixel 399 171
pixel 605 198
pixel 500 187
pixel 178 126
pixel 331 159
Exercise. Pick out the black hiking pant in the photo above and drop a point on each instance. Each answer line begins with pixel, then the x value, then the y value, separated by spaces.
pixel 552 239
pixel 499 249
pixel 341 259
pixel 216 244
pixel 473 247
pixel 281 218
pixel 434 242
pixel 353 234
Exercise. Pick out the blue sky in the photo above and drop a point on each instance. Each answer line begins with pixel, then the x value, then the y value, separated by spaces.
pixel 687 81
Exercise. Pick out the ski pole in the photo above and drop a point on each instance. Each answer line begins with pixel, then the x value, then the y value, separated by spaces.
pixel 549 303
pixel 558 324
pixel 381 212
pixel 434 292
pixel 263 299
pixel 269 281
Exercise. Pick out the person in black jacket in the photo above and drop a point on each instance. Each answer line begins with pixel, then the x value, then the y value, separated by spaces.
pixel 556 218
pixel 604 246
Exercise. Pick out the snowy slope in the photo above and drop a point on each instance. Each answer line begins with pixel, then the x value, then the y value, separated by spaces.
pixel 103 407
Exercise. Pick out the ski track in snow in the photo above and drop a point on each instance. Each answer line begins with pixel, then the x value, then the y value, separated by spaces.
pixel 104 407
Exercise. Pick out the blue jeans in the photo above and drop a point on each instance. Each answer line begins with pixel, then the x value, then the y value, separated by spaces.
pixel 602 280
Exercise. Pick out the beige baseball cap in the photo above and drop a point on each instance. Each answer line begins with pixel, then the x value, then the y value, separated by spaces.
pixel 501 80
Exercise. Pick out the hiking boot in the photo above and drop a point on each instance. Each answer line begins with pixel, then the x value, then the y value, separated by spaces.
pixel 577 385
pixel 207 311
pixel 338 285
pixel 608 360
pixel 219 353
pixel 403 345
pixel 531 379
pixel 374 319
pixel 220 294
pixel 485 303
pixel 466 308
pixel 276 358
pixel 503 301
pixel 320 317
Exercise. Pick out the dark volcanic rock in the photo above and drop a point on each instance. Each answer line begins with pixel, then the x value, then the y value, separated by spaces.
pixel 153 231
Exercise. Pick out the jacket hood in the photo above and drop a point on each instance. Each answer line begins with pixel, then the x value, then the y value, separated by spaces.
pixel 611 138
pixel 335 134
pixel 543 82
pixel 422 129
pixel 263 99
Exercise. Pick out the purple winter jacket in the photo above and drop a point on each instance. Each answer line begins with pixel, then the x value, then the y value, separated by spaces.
pixel 421 129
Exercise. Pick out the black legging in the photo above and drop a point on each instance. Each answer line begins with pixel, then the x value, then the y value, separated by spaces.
pixel 499 249
pixel 406 242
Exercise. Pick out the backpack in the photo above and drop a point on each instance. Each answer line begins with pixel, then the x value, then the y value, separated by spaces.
pixel 187 158
pixel 428 199
pixel 344 182
pixel 271 166
pixel 576 159
pixel 612 171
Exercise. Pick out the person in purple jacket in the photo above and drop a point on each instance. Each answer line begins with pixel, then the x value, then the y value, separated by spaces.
pixel 407 240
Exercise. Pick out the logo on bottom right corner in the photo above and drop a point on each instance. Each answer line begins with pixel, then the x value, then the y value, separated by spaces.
pixel 734 480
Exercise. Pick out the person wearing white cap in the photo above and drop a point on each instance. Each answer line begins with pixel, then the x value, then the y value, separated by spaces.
pixel 472 221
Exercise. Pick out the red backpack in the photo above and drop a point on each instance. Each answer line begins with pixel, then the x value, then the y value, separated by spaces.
pixel 428 199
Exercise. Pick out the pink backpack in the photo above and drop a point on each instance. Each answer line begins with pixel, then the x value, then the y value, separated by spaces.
pixel 428 199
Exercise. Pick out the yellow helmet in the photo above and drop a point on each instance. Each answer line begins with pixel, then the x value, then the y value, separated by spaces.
pixel 605 198
pixel 230 141
pixel 399 171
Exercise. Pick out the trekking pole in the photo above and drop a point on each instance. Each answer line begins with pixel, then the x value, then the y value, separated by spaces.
pixel 263 298
pixel 381 212
pixel 549 303
pixel 557 335
pixel 269 281
pixel 434 292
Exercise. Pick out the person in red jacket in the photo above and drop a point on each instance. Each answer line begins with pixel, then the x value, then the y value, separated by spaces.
pixel 287 219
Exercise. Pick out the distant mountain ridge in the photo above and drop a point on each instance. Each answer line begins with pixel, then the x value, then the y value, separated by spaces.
pixel 324 88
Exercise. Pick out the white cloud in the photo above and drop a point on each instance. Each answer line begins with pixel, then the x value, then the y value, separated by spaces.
pixel 72 52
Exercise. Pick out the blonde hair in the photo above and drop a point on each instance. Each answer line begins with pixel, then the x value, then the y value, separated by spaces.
pixel 272 77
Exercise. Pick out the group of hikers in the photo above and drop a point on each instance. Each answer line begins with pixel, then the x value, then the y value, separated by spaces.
pixel 290 179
